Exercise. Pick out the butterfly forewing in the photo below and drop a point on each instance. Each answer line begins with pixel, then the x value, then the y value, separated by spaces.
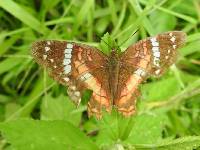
pixel 79 67
pixel 162 49
pixel 51 54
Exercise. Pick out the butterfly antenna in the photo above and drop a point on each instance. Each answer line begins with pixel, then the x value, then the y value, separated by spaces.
pixel 128 38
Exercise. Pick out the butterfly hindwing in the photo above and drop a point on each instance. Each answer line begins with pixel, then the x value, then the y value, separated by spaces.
pixel 127 90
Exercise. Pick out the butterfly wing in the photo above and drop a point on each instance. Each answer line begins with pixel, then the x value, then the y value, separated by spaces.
pixel 79 67
pixel 151 56
pixel 161 48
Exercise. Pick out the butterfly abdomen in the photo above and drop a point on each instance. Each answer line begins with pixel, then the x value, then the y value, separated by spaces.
pixel 114 68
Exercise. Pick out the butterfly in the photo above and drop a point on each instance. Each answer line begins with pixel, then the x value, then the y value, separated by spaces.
pixel 114 78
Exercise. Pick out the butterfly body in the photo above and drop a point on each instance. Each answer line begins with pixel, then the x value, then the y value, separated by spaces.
pixel 114 68
pixel 114 78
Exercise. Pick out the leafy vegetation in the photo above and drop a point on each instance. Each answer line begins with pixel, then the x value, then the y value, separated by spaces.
pixel 37 114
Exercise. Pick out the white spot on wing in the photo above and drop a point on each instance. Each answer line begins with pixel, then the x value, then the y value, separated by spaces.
pixel 174 46
pixel 87 75
pixel 140 72
pixel 48 43
pixel 156 61
pixel 47 49
pixel 68 55
pixel 66 61
pixel 155 49
pixel 69 45
pixel 156 54
pixel 173 39
pixel 67 69
pixel 82 78
pixel 73 87
pixel 170 34
pixel 44 57
pixel 154 42
pixel 157 71
pixel 51 60
pixel 66 79
pixel 68 50
pixel 77 93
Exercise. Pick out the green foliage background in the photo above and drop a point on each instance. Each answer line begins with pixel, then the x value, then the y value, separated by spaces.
pixel 37 114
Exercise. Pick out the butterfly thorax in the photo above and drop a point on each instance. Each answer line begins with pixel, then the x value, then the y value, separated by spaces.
pixel 113 73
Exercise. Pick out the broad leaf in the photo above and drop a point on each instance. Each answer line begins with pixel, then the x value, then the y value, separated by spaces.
pixel 43 135
pixel 185 143
pixel 60 108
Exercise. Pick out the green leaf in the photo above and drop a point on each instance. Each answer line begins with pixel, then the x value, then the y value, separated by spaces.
pixel 112 8
pixel 19 12
pixel 87 8
pixel 60 108
pixel 101 25
pixel 107 43
pixel 141 129
pixel 178 15
pixel 10 109
pixel 9 64
pixel 190 48
pixel 7 43
pixel 32 100
pixel 48 5
pixel 160 20
pixel 145 21
pixel 147 129
pixel 154 91
pixel 41 135
pixel 184 143
pixel 113 128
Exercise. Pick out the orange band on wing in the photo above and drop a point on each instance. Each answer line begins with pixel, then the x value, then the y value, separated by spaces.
pixel 93 85
pixel 144 62
pixel 127 111
pixel 135 79
pixel 99 94
pixel 103 101
pixel 131 86
pixel 81 67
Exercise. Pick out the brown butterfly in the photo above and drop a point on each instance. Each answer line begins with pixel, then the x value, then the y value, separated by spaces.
pixel 114 79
